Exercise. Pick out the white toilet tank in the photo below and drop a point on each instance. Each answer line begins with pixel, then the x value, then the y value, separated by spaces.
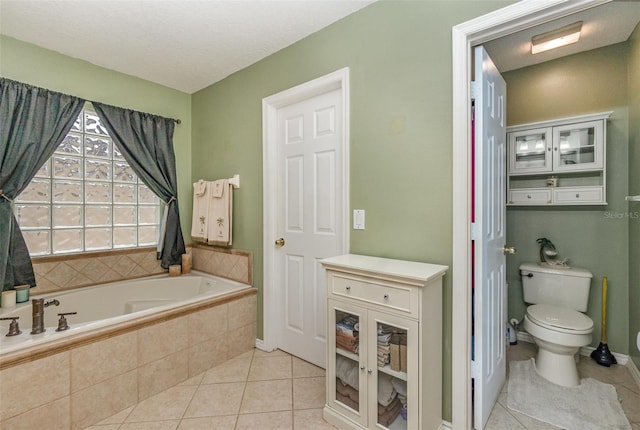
pixel 568 288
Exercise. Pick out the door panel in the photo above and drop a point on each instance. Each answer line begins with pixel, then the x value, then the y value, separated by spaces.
pixel 489 367
pixel 310 204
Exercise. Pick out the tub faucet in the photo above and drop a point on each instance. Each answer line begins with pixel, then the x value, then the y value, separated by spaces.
pixel 38 306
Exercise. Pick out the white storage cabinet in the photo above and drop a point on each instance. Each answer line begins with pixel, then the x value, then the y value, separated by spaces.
pixel 570 152
pixel 377 305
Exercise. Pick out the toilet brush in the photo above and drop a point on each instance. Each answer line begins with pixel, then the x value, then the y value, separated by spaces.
pixel 601 354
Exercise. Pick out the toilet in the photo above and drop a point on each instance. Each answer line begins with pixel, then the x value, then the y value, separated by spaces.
pixel 557 298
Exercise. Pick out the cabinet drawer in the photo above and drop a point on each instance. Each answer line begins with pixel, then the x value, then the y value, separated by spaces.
pixel 578 196
pixel 530 197
pixel 390 296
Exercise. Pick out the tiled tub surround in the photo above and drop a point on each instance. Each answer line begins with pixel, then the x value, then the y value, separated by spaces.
pixel 109 304
pixel 71 271
pixel 84 378
pixel 228 263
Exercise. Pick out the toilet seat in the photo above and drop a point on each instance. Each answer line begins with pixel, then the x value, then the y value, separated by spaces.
pixel 560 319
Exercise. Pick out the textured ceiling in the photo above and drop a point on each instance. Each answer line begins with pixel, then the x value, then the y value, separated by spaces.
pixel 186 44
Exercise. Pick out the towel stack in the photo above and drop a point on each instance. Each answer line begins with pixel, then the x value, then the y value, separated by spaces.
pixel 384 348
pixel 347 334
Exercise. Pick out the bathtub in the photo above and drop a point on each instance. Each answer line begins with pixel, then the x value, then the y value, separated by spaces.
pixel 129 341
pixel 112 306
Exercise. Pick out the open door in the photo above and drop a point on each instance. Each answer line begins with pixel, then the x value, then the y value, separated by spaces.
pixel 488 368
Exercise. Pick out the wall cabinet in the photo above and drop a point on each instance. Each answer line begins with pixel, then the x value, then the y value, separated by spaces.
pixel 384 343
pixel 558 162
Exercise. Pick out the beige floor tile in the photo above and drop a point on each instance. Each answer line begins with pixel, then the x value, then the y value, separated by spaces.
pixel 635 426
pixel 266 368
pixel 500 419
pixel 616 374
pixel 209 423
pixel 196 380
pixel 267 396
pixel 167 405
pixel 104 427
pixel 216 400
pixel 248 354
pixel 630 402
pixel 303 369
pixel 275 353
pixel 531 423
pixel 117 418
pixel 151 425
pixel 310 419
pixel 265 421
pixel 308 393
pixel 161 374
pixel 234 370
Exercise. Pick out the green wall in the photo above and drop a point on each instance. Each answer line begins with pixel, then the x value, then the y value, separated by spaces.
pixel 592 237
pixel 634 189
pixel 399 55
pixel 30 64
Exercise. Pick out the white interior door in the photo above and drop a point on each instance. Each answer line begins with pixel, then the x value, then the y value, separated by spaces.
pixel 489 282
pixel 309 218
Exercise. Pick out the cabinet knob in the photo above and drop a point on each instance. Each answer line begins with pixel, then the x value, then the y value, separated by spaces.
pixel 577 196
pixel 370 371
pixel 348 288
pixel 386 296
pixel 528 196
pixel 362 367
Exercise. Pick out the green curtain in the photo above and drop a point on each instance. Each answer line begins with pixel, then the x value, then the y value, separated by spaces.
pixel 146 142
pixel 33 122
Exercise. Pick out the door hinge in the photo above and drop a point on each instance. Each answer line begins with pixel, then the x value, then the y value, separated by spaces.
pixel 475 90
pixel 474 369
pixel 474 231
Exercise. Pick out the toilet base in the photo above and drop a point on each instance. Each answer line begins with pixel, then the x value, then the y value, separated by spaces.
pixel 558 368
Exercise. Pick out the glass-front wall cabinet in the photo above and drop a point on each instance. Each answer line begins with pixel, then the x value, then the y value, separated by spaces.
pixel 578 146
pixel 530 151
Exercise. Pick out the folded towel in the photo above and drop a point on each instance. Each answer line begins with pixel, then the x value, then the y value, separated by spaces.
pixel 400 386
pixel 220 214
pixel 199 224
pixel 345 400
pixel 347 371
pixel 386 392
pixel 348 391
pixel 388 417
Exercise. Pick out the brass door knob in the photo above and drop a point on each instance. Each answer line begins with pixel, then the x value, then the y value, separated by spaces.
pixel 508 250
pixel 280 242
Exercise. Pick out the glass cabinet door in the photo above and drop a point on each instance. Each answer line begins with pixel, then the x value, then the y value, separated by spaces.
pixel 530 151
pixel 395 343
pixel 578 146
pixel 347 334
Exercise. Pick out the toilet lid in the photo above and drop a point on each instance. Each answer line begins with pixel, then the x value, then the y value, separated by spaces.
pixel 558 318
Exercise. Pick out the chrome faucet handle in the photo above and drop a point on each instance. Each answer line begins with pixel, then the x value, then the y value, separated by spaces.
pixel 14 329
pixel 62 322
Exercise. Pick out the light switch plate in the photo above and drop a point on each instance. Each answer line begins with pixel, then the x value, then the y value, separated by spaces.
pixel 358 219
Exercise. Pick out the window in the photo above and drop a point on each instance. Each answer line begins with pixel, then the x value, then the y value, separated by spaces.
pixel 86 197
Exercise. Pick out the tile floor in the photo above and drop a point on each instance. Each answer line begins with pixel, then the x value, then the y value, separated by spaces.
pixel 256 390
pixel 502 418
pixel 259 390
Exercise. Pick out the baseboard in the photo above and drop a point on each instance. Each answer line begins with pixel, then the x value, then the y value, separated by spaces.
pixel 622 359
pixel 260 345
pixel 445 425
pixel 635 373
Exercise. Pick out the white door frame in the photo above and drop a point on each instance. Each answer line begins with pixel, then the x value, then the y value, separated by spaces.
pixel 516 17
pixel 270 105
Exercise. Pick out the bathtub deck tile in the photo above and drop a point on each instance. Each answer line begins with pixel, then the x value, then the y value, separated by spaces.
pixel 103 400
pixel 52 416
pixel 20 394
pixel 161 374
pixel 207 324
pixel 100 361
pixel 168 405
pixel 160 340
pixel 242 312
pixel 206 355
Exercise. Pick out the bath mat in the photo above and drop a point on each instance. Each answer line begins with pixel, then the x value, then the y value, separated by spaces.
pixel 592 405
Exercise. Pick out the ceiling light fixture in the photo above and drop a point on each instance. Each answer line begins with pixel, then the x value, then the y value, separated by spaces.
pixel 556 38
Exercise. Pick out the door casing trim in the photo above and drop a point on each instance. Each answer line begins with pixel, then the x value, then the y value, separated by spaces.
pixel 270 106
pixel 516 17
